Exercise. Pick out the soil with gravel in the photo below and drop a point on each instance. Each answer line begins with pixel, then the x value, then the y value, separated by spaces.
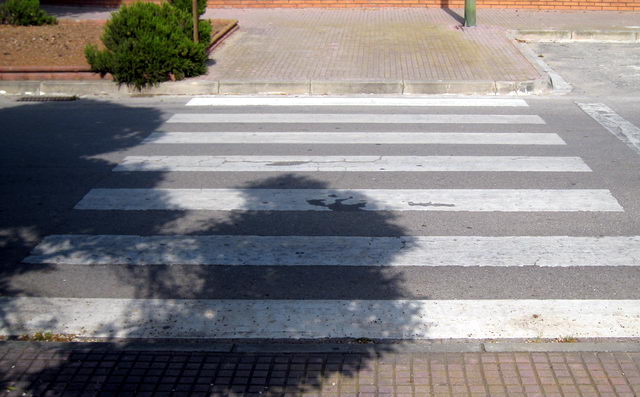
pixel 49 45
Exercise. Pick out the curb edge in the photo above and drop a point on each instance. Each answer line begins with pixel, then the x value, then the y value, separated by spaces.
pixel 314 348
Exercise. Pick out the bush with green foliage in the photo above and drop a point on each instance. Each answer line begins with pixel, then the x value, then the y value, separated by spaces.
pixel 24 12
pixel 147 43
pixel 187 5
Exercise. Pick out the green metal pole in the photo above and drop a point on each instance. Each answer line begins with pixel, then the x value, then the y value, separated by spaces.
pixel 469 12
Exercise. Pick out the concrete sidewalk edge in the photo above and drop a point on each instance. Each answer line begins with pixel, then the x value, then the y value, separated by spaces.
pixel 344 87
pixel 585 36
pixel 303 348
pixel 557 84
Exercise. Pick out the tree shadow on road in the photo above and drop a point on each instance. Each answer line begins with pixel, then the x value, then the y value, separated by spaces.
pixel 52 154
pixel 158 291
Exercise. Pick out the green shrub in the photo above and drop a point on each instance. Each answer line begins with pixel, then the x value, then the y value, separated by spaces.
pixel 24 12
pixel 146 44
pixel 188 4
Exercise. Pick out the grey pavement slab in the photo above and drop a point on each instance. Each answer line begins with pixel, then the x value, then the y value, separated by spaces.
pixel 595 69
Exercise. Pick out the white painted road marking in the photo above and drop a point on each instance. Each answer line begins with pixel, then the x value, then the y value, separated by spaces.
pixel 428 251
pixel 358 118
pixel 351 200
pixel 353 163
pixel 314 319
pixel 354 101
pixel 612 121
pixel 396 138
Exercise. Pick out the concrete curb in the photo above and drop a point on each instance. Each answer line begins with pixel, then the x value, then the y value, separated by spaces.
pixel 300 348
pixel 555 83
pixel 222 35
pixel 500 347
pixel 395 348
pixel 585 36
pixel 212 347
pixel 204 87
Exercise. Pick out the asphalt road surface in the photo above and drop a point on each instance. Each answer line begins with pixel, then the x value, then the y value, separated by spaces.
pixel 502 217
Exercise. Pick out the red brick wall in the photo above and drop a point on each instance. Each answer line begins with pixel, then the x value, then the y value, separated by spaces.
pixel 624 5
pixel 628 5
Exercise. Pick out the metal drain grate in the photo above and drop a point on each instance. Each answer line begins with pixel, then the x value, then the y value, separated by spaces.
pixel 47 98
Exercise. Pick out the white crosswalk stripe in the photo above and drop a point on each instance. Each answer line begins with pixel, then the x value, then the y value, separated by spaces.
pixel 357 101
pixel 543 251
pixel 612 121
pixel 359 118
pixel 370 138
pixel 353 163
pixel 351 200
pixel 312 318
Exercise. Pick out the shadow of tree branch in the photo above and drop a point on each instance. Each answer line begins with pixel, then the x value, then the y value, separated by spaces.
pixel 179 297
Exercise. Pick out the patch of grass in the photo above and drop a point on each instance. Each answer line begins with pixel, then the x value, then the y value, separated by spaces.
pixel 566 339
pixel 47 337
pixel 563 339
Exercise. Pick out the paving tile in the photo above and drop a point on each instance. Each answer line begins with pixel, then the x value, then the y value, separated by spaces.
pixel 352 46
pixel 239 374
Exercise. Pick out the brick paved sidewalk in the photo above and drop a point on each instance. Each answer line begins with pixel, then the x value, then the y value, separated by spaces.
pixel 27 369
pixel 387 44
pixel 362 44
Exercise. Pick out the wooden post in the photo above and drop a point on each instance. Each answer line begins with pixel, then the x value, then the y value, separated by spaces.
pixel 196 34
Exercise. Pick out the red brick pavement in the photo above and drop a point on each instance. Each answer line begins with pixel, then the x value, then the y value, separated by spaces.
pixel 29 370
pixel 390 44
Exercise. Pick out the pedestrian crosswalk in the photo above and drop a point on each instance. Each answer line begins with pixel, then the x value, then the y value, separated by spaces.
pixel 296 133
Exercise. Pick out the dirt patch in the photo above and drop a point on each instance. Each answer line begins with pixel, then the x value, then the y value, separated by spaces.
pixel 56 45
pixel 50 45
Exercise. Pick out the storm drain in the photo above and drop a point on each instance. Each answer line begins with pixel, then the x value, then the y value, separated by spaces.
pixel 58 98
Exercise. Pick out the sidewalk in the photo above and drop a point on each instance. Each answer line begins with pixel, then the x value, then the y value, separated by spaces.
pixel 77 369
pixel 366 51
pixel 386 51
